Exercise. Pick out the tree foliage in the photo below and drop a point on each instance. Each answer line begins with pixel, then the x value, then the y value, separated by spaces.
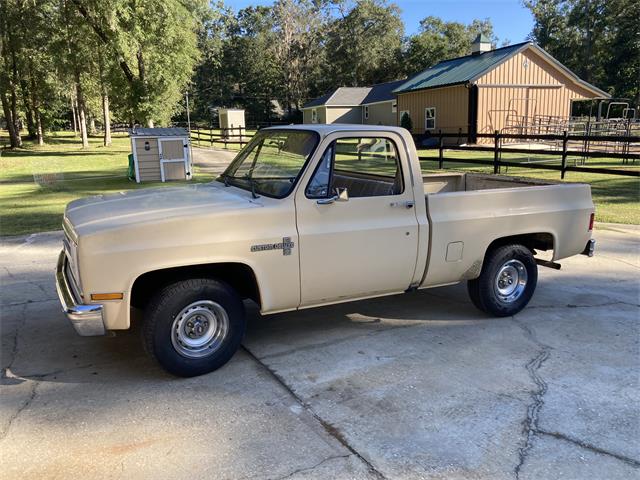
pixel 438 40
pixel 82 63
pixel 597 39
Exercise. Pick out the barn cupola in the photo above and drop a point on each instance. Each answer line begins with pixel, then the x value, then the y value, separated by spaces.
pixel 480 45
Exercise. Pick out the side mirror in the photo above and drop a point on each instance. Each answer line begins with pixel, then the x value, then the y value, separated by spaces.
pixel 342 195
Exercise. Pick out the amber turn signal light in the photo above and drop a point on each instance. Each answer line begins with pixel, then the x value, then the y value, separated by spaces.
pixel 106 296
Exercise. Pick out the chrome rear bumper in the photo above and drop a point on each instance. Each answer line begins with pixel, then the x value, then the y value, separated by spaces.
pixel 590 248
pixel 86 319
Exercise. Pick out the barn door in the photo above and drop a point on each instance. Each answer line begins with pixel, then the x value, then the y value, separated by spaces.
pixel 174 159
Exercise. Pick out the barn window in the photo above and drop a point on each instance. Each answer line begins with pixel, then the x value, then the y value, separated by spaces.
pixel 314 116
pixel 394 106
pixel 430 118
pixel 366 112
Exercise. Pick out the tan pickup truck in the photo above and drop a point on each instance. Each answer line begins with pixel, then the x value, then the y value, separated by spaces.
pixel 306 216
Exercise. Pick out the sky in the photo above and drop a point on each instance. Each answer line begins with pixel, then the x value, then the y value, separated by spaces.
pixel 511 20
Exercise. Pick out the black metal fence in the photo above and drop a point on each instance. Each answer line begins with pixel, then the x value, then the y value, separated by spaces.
pixel 623 148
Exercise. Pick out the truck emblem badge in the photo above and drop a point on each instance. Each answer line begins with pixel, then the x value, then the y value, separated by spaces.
pixel 286 246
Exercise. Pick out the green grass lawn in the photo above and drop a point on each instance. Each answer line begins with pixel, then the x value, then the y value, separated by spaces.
pixel 27 206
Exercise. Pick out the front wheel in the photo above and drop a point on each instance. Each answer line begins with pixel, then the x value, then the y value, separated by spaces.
pixel 507 281
pixel 193 327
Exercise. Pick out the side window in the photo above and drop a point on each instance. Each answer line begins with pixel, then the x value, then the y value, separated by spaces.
pixel 319 185
pixel 430 118
pixel 314 115
pixel 366 167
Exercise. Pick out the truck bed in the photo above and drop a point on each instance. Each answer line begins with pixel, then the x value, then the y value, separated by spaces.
pixel 467 211
pixel 465 182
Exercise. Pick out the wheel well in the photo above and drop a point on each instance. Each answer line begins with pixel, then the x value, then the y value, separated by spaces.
pixel 533 241
pixel 238 275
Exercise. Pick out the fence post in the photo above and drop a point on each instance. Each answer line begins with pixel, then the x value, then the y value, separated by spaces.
pixel 440 151
pixel 496 160
pixel 564 154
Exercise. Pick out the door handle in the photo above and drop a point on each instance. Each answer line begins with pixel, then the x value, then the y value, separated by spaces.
pixel 407 204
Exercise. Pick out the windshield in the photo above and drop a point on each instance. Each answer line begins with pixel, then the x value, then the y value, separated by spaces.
pixel 271 163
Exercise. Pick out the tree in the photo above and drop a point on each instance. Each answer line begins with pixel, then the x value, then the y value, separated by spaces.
pixel 406 122
pixel 438 40
pixel 155 45
pixel 364 44
pixel 599 40
pixel 297 48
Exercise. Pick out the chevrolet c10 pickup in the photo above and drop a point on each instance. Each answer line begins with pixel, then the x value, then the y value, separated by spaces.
pixel 305 216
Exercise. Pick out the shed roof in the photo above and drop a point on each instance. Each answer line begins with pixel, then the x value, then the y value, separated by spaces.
pixel 158 132
pixel 341 97
pixel 383 92
pixel 458 70
pixel 355 96
pixel 471 67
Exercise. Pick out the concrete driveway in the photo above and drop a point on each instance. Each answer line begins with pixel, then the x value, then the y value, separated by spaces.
pixel 415 386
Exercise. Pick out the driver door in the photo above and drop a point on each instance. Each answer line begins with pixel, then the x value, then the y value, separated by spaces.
pixel 364 241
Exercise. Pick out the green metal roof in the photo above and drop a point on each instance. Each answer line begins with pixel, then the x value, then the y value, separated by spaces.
pixel 459 70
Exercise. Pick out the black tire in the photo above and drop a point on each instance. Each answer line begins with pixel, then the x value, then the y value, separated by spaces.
pixel 219 305
pixel 484 291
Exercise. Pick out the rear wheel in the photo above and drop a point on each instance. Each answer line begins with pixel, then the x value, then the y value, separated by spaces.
pixel 507 281
pixel 193 326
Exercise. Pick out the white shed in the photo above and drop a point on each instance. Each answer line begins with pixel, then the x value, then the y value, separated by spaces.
pixel 161 154
pixel 232 123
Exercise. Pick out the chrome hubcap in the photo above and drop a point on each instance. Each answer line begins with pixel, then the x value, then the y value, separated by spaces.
pixel 199 329
pixel 511 281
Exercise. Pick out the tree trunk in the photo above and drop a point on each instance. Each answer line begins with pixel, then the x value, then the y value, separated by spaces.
pixel 37 117
pixel 14 115
pixel 14 139
pixel 82 118
pixel 106 115
pixel 92 125
pixel 75 118
pixel 106 118
pixel 28 110
pixel 38 126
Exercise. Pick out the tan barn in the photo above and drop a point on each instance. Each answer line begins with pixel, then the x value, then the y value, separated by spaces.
pixel 375 105
pixel 504 89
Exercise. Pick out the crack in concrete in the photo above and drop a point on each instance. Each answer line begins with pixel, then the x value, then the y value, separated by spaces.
pixel 18 304
pixel 30 282
pixel 328 427
pixel 530 424
pixel 311 468
pixel 27 402
pixel 14 347
pixel 592 448
pixel 570 305
pixel 313 346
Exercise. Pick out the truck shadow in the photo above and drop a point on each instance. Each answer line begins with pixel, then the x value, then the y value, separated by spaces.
pixel 41 345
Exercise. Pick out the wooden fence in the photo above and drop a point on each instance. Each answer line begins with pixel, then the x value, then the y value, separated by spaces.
pixel 224 136
pixel 621 143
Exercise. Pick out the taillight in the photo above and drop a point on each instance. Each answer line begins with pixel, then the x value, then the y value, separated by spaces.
pixel 591 219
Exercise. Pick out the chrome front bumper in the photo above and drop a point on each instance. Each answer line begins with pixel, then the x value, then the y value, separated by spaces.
pixel 86 319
